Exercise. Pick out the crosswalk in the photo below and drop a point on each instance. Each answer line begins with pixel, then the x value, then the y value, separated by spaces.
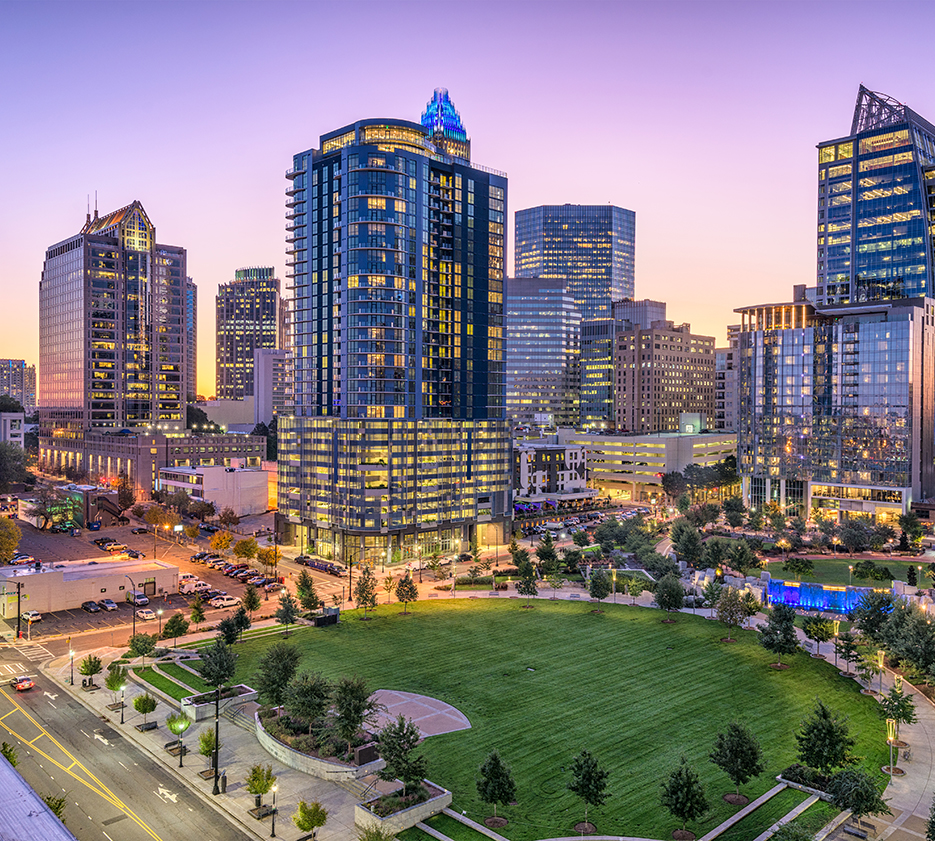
pixel 31 651
pixel 10 669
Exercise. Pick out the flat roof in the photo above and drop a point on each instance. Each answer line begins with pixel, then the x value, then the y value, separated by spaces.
pixel 25 814
pixel 72 570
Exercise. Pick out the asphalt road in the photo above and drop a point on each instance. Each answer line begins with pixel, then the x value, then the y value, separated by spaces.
pixel 113 790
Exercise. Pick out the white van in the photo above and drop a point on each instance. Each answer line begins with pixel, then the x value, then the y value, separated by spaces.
pixel 137 597
pixel 193 585
pixel 187 576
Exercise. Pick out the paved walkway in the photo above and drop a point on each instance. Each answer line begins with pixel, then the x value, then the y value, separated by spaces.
pixel 430 715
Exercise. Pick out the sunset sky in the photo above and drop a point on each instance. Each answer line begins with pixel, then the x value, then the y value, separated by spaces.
pixel 701 117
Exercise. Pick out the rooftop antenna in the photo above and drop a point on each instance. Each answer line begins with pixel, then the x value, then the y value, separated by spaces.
pixel 89 208
pixel 95 204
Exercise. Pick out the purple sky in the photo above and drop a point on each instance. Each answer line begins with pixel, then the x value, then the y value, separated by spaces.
pixel 701 117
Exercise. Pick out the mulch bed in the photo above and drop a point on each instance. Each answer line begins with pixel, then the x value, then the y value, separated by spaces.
pixel 668 621
pixel 586 826
pixel 727 639
pixel 779 667
pixel 683 835
pixel 597 611
pixel 495 822
pixel 736 799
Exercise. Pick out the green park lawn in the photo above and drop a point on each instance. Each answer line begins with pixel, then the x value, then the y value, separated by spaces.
pixel 540 685
pixel 833 570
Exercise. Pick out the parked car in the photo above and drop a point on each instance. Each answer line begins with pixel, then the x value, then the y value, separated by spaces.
pixel 103 541
pixel 145 614
pixel 198 556
pixel 107 604
pixel 210 595
pixel 59 528
pixel 244 574
pixel 117 547
pixel 225 601
pixel 139 530
pixel 132 553
pixel 22 683
pixel 273 585
pixel 32 616
pixel 235 568
pixel 256 581
pixel 324 566
pixel 91 607
pixel 138 598
pixel 201 586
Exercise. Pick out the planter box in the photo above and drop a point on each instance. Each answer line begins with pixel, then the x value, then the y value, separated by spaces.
pixel 799 787
pixel 201 707
pixel 405 818
pixel 323 769
pixel 150 725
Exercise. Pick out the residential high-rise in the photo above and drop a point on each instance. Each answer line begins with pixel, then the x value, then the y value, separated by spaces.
pixel 598 341
pixel 248 317
pixel 18 380
pixel 399 441
pixel 875 203
pixel 661 373
pixel 592 246
pixel 726 365
pixel 837 405
pixel 543 329
pixel 191 340
pixel 272 384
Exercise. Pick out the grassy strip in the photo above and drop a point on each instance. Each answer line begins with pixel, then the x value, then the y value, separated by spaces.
pixel 762 818
pixel 182 675
pixel 447 826
pixel 163 684
pixel 540 685
pixel 833 570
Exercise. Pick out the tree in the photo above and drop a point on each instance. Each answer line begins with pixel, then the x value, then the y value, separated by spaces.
pixel 221 541
pixel 406 591
pixel 201 509
pixel 683 503
pixel 527 586
pixel 198 611
pixel 588 781
pixel 228 518
pixel 207 744
pixel 824 742
pixel 9 753
pixel 911 578
pixel 711 592
pixel 13 466
pixel 191 532
pixel 308 696
pixel 90 667
pixel 155 515
pixel 144 704
pixel 354 706
pixel 730 609
pixel 56 804
pixel 670 595
pixel 10 536
pixel 141 645
pixel 178 723
pixel 180 501
pixel 274 671
pixel 308 817
pixel 365 590
pixel 911 525
pixel 818 630
pixel 250 601
pixel 305 591
pixel 288 611
pixel 778 634
pixel 116 680
pixel 737 753
pixel 872 613
pixel 599 585
pixel 548 557
pixel 899 707
pixel 389 587
pixel 397 741
pixel 634 589
pixel 241 620
pixel 246 548
pixel 581 539
pixel 496 783
pixel 854 789
pixel 556 582
pixel 176 626
pixel 855 534
pixel 218 663
pixel 674 484
pixel 755 520
pixel 688 545
pixel 798 566
pixel 751 604
pixel 228 630
pixel 683 794
pixel 845 646
pixel 126 495
pixel 260 779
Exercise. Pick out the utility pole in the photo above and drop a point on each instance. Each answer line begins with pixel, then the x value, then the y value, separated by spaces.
pixel 19 632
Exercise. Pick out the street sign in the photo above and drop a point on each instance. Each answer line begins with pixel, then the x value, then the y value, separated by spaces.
pixel 178 528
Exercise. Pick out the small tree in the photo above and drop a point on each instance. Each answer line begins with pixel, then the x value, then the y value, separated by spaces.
pixel 141 645
pixel 670 595
pixel 308 817
pixel 581 539
pixel 228 518
pixel 354 706
pixel 496 783
pixel 778 634
pixel 221 541
pixel 198 611
pixel 845 647
pixel 90 667
pixel 711 592
pixel 144 704
pixel 527 586
pixel 246 548
pixel 228 630
pixel 854 789
pixel 798 566
pixel 397 741
pixel 389 587
pixel 750 603
pixel 176 626
pixel 737 753
pixel 191 532
pixel 730 609
pixel 634 589
pixel 899 707
pixel 824 742
pixel 241 620
pixel 207 744
pixel 599 586
pixel 288 611
pixel 308 696
pixel 250 600
pixel 683 794
pixel 588 781
pixel 56 804
pixel 178 723
pixel 9 753
pixel 10 536
pixel 818 630
pixel 260 780
pixel 116 680
pixel 365 590
pixel 305 590
pixel 556 582
pixel 218 663
pixel 275 670
pixel 406 592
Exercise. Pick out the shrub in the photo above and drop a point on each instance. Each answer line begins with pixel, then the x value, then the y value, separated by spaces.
pixel 305 743
pixel 805 776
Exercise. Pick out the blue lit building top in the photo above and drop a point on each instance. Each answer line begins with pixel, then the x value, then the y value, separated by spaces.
pixel 443 122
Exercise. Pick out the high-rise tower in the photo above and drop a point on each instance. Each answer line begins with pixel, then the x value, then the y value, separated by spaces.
pixel 399 441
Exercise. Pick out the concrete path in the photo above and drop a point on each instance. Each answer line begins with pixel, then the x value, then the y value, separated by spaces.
pixel 430 715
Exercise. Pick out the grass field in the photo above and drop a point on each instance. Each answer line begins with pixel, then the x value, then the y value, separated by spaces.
pixel 540 685
pixel 186 677
pixel 161 682
pixel 833 570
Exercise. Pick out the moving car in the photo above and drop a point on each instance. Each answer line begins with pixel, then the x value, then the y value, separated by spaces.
pixel 91 607
pixel 22 683
pixel 107 604
pixel 145 613
pixel 32 616
pixel 139 530
pixel 225 601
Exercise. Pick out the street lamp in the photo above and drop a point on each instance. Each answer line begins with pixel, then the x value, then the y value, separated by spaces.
pixel 419 560
pixel 834 547
pixel 383 561
pixel 880 655
pixel 837 627
pixel 850 572
pixel 123 692
pixel 133 591
pixel 159 614
pixel 890 739
pixel 217 736
pixel 71 681
pixel 273 832
pixel 613 575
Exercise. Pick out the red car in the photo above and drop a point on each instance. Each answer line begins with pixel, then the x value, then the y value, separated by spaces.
pixel 23 683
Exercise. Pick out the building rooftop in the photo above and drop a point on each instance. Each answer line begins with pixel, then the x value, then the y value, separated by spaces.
pixel 25 815
pixel 441 116
pixel 74 570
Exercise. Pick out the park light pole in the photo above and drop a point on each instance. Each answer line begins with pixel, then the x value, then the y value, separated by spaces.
pixel 71 681
pixel 123 694
pixel 837 627
pixel 613 575
pixel 217 736
pixel 419 560
pixel 834 544
pixel 880 655
pixel 890 739
pixel 159 614
pixel 273 832
pixel 850 572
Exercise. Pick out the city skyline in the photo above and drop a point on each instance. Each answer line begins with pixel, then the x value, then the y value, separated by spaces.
pixel 692 93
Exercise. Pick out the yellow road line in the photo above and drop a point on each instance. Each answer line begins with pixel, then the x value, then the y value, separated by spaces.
pixel 100 789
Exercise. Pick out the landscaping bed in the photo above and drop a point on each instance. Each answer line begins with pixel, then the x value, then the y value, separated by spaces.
pixel 162 683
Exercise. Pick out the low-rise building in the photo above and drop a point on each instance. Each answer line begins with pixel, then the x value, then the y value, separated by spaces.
pixel 244 490
pixel 549 473
pixel 12 428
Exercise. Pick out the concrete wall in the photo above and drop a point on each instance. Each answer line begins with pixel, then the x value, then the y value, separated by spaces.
pixel 399 821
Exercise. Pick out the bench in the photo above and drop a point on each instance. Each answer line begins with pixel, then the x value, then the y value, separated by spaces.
pixel 494 593
pixel 853 830
pixel 574 595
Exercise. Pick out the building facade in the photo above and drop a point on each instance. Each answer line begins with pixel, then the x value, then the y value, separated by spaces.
pixel 272 384
pixel 18 380
pixel 551 473
pixel 244 491
pixel 399 437
pixel 249 316
pixel 726 365
pixel 191 340
pixel 592 246
pixel 543 329
pixel 661 373
pixel 836 406
pixel 12 428
pixel 875 205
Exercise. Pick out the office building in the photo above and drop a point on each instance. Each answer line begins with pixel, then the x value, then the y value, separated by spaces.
pixel 12 428
pixel 549 473
pixel 18 380
pixel 661 373
pixel 592 246
pixel 272 377
pixel 399 442
pixel 836 405
pixel 598 341
pixel 726 365
pixel 875 200
pixel 543 329
pixel 249 315
pixel 191 340
pixel 244 490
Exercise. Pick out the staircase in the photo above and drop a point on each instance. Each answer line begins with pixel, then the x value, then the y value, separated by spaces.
pixel 237 716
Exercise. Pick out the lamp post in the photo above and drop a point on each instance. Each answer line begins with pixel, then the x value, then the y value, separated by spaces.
pixel 123 693
pixel 383 560
pixel 613 575
pixel 419 560
pixel 850 572
pixel 273 831
pixel 890 739
pixel 217 736
pixel 880 655
pixel 134 598
pixel 159 614
pixel 837 627
pixel 834 544
pixel 71 680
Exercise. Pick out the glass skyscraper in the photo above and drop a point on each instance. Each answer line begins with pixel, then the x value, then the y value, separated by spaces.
pixel 592 246
pixel 543 329
pixel 399 444
pixel 876 203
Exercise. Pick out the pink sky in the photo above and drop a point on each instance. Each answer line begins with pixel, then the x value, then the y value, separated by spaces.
pixel 701 117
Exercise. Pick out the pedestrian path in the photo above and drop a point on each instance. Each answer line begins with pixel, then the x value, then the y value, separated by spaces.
pixel 33 652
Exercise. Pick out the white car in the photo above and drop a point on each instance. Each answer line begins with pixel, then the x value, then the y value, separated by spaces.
pixel 32 615
pixel 224 601
pixel 145 613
